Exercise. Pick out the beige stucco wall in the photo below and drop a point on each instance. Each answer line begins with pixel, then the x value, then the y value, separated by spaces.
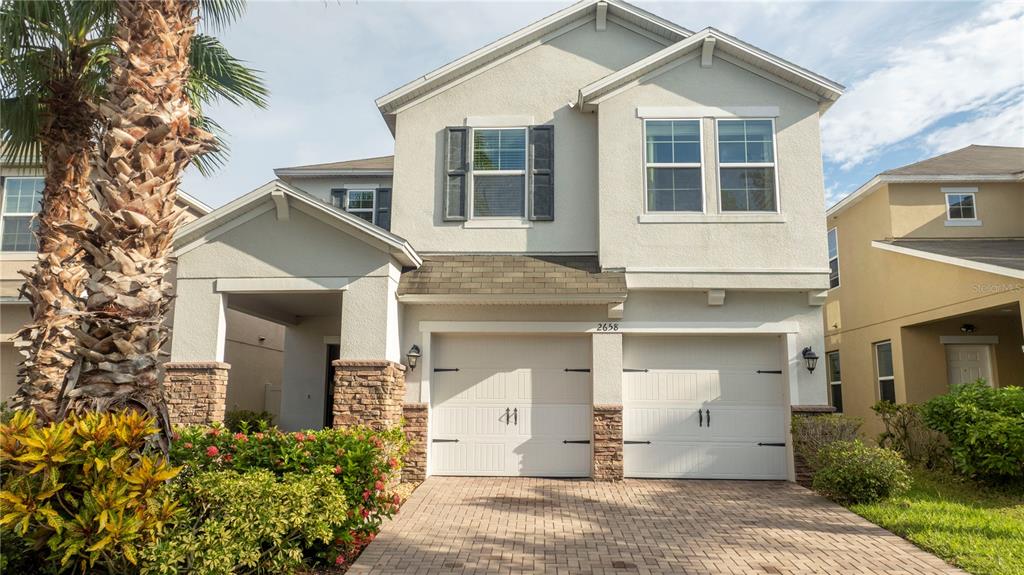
pixel 538 83
pixel 919 210
pixel 795 243
pixel 882 294
pixel 255 349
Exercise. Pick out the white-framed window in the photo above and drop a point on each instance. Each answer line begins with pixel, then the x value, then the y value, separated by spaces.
pixel 883 369
pixel 361 203
pixel 747 178
pixel 498 173
pixel 835 381
pixel 673 174
pixel 960 205
pixel 21 199
pixel 833 258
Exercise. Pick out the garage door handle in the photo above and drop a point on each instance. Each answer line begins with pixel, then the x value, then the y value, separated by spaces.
pixel 636 442
pixel 508 416
pixel 700 418
pixel 515 416
pixel 575 441
pixel 771 444
pixel 444 440
pixel 709 417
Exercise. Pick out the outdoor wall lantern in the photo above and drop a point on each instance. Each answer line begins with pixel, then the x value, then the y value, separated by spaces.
pixel 413 356
pixel 810 358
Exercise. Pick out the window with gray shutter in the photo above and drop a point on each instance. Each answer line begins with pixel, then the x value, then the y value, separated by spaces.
pixel 456 144
pixel 542 173
pixel 382 210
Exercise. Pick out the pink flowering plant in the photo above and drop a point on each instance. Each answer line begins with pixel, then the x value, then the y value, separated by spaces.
pixel 366 462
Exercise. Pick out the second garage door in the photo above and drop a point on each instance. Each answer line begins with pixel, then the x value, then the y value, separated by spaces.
pixel 511 405
pixel 704 407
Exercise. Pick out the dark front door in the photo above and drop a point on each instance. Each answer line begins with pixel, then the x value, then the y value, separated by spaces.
pixel 333 352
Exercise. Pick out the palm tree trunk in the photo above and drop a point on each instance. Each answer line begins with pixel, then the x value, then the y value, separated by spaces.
pixel 147 143
pixel 56 278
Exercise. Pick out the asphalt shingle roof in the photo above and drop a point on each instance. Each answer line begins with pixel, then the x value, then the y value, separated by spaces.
pixel 972 160
pixel 1007 253
pixel 380 163
pixel 512 275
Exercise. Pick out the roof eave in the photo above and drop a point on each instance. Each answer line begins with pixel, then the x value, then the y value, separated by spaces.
pixel 883 178
pixel 290 173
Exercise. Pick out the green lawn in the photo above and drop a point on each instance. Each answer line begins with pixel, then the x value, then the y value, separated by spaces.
pixel 977 528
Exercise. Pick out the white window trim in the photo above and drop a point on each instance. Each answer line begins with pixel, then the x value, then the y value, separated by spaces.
pixel 954 222
pixel 833 383
pixel 646 164
pixel 774 165
pixel 371 210
pixel 839 272
pixel 18 254
pixel 879 378
pixel 472 172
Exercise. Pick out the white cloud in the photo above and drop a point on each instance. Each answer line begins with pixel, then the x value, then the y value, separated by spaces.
pixel 968 67
pixel 992 127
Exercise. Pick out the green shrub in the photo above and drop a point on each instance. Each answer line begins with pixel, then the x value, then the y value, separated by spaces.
pixel 252 522
pixel 81 494
pixel 364 462
pixel 852 472
pixel 906 433
pixel 244 420
pixel 985 428
pixel 813 432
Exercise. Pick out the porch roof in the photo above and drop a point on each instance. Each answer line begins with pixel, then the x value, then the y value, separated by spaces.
pixel 494 278
pixel 1003 256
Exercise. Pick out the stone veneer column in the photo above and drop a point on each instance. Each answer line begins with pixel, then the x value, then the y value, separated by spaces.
pixel 368 392
pixel 607 442
pixel 801 471
pixel 415 461
pixel 196 391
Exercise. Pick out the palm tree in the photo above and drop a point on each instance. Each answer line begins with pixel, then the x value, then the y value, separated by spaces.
pixel 55 66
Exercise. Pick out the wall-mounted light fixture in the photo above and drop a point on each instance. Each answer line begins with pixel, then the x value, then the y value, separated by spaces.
pixel 967 328
pixel 810 359
pixel 413 356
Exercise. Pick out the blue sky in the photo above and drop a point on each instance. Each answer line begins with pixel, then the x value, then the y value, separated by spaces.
pixel 922 78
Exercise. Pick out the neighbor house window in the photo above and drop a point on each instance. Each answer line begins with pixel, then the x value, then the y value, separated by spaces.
pixel 21 205
pixel 673 153
pixel 360 203
pixel 833 258
pixel 886 377
pixel 499 173
pixel 960 206
pixel 746 159
pixel 835 383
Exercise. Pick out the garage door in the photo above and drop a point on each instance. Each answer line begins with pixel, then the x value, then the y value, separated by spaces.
pixel 511 405
pixel 704 407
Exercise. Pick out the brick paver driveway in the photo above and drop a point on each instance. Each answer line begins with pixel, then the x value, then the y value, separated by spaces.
pixel 477 525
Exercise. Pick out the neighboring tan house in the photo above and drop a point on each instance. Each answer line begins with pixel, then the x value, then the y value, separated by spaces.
pixel 254 345
pixel 601 237
pixel 927 280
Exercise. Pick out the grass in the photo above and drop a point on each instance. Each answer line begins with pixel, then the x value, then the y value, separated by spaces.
pixel 975 527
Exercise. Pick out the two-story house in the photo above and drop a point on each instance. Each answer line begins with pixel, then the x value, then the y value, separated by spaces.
pixel 927 284
pixel 598 249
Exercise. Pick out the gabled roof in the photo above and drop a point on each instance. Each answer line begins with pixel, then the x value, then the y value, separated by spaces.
pixel 377 166
pixel 719 44
pixel 971 164
pixel 285 197
pixel 389 103
pixel 999 256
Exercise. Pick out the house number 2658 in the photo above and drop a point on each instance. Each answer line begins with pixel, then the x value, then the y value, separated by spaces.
pixel 607 327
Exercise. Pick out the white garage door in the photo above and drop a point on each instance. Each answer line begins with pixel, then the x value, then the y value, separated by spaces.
pixel 697 407
pixel 511 405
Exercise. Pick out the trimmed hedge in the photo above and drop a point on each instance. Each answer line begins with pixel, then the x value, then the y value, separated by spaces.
pixel 852 472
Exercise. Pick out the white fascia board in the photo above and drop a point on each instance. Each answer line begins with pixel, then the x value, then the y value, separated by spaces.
pixel 872 184
pixel 644 327
pixel 960 262
pixel 194 203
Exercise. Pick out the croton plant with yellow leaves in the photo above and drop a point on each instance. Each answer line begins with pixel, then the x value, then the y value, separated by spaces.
pixel 83 491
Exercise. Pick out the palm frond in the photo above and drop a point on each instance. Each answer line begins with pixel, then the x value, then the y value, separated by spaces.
pixel 217 15
pixel 209 163
pixel 216 74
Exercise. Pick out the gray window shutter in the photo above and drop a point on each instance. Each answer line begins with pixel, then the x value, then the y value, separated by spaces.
pixel 382 213
pixel 456 163
pixel 542 173
pixel 338 198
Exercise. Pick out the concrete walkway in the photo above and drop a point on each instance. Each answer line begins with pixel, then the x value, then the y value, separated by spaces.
pixel 508 525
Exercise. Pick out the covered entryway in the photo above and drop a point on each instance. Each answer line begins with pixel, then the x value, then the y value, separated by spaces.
pixel 710 407
pixel 511 405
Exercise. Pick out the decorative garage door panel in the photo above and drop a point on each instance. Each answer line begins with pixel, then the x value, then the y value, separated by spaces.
pixel 511 408
pixel 697 407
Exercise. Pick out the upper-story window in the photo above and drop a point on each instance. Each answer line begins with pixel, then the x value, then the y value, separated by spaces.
pixel 499 173
pixel 673 164
pixel 370 204
pixel 22 196
pixel 746 159
pixel 960 205
pixel 833 258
